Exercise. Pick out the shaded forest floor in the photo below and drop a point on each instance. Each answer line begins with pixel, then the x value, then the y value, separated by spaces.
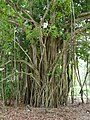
pixel 70 112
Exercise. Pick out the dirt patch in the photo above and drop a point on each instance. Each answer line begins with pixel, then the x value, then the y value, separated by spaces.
pixel 70 112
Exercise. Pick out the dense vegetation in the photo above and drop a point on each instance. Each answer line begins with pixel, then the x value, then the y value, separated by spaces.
pixel 41 42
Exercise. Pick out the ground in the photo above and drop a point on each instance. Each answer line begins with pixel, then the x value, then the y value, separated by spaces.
pixel 69 112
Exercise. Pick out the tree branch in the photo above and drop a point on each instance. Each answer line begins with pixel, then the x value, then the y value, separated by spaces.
pixel 81 17
pixel 31 18
pixel 45 14
pixel 84 14
pixel 48 6
pixel 17 9
pixel 16 23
